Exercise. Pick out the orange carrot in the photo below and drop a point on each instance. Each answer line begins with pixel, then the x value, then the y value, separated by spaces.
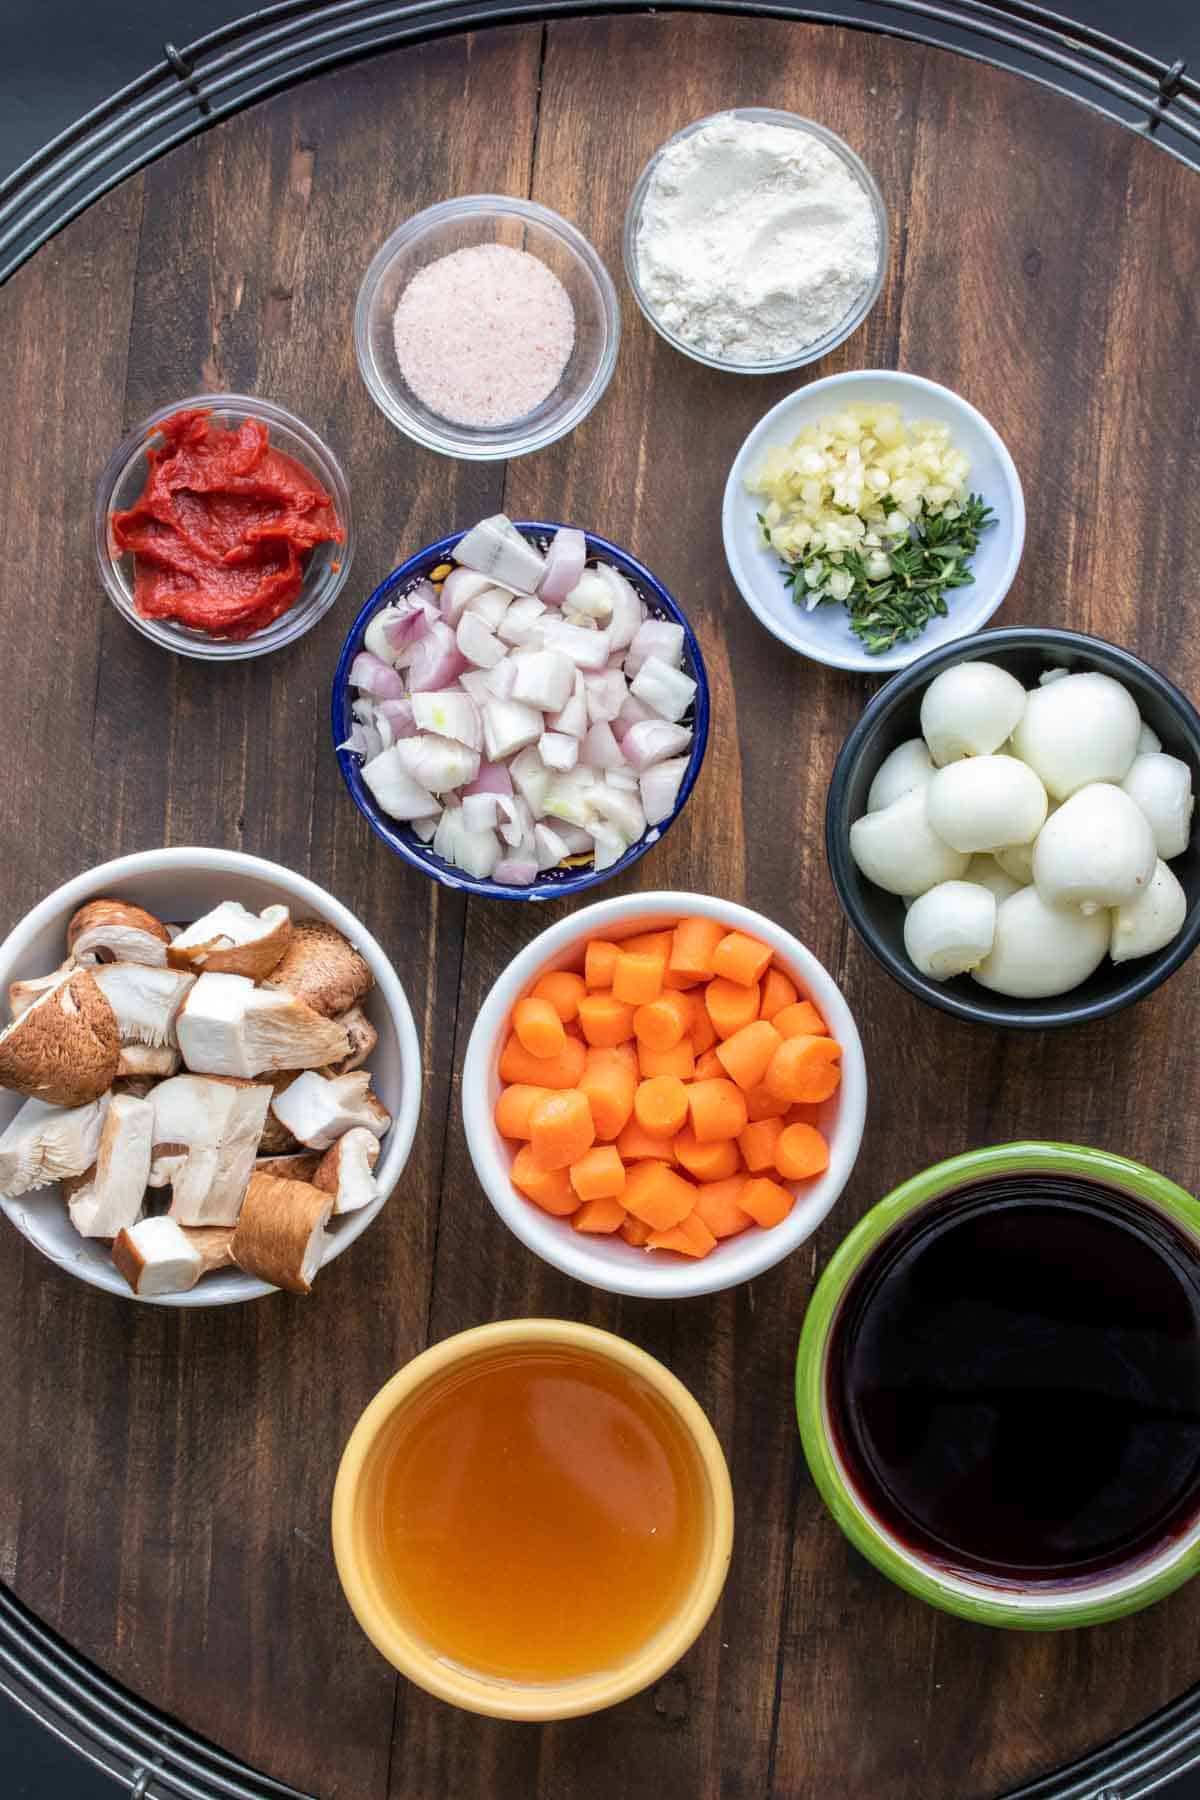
pixel 598 1175
pixel 678 983
pixel 707 1162
pixel 538 1027
pixel 691 1237
pixel 777 992
pixel 692 947
pixel 513 1109
pixel 761 1103
pixel 741 958
pixel 757 1144
pixel 730 1006
pixel 746 1054
pixel 801 1019
pixel 561 1129
pixel 717 1205
pixel 638 976
pixel 650 943
pixel 679 1062
pixel 605 1020
pixel 801 1153
pixel 634 1231
pixel 599 961
pixel 609 1083
pixel 718 1110
pixel 805 1068
pixel 636 1145
pixel 603 1214
pixel 701 1029
pixel 660 1105
pixel 548 1188
pixel 563 989
pixel 660 1024
pixel 765 1201
pixel 562 1071
pixel 708 1067
pixel 657 1195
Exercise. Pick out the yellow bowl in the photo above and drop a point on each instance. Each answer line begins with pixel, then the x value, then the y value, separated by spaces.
pixel 355 1549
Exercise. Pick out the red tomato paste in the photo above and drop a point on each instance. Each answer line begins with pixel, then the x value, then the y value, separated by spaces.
pixel 223 528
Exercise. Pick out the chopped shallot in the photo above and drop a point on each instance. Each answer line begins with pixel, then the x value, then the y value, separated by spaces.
pixel 435 661
pixel 565 562
pixel 516 871
pixel 660 789
pixel 656 637
pixel 496 548
pixel 460 587
pixel 370 675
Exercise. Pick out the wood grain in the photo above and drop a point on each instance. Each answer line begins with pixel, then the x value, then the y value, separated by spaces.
pixel 164 1496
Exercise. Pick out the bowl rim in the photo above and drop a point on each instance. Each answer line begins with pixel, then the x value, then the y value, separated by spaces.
pixel 513 1700
pixel 189 858
pixel 854 658
pixel 299 618
pixel 738 1259
pixel 421 857
pixel 988 1010
pixel 977 1600
pixel 493 443
pixel 837 334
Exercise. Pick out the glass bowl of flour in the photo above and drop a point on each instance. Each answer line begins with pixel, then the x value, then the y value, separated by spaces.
pixel 755 241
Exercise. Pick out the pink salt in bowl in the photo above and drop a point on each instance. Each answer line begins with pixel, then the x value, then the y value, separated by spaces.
pixel 463 224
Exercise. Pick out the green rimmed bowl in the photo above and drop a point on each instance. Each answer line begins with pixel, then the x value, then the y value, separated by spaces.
pixel 1023 1605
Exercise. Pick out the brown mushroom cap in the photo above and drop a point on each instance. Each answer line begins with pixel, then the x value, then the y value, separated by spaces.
pixel 65 1048
pixel 95 916
pixel 222 954
pixel 363 1039
pixel 322 968
pixel 280 1232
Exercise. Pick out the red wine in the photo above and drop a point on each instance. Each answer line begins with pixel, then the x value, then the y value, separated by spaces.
pixel 1014 1381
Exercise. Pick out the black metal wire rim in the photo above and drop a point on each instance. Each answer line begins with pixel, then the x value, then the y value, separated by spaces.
pixel 220 74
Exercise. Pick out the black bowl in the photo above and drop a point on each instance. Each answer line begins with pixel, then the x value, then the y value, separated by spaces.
pixel 894 715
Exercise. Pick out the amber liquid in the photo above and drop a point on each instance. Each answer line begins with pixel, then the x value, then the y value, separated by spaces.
pixel 542 1514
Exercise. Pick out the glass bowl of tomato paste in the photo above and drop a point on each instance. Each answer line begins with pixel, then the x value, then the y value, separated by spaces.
pixel 223 527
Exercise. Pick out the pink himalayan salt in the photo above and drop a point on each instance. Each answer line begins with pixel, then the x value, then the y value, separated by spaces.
pixel 482 335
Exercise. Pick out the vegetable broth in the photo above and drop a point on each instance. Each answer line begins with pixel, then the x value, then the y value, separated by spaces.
pixel 1014 1381
pixel 542 1514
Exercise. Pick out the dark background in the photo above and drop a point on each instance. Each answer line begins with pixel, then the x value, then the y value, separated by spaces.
pixel 60 57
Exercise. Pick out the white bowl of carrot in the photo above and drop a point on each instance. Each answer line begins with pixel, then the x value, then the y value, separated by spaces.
pixel 664 1094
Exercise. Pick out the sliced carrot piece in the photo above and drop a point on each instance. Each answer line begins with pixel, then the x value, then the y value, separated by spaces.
pixel 801 1153
pixel 603 1215
pixel 730 1006
pixel 718 1110
pixel 636 1145
pixel 761 1103
pixel 701 1031
pixel 757 1144
pixel 563 989
pixel 660 1105
pixel 561 1071
pixel 548 1188
pixel 777 992
pixel 561 1129
pixel 638 976
pixel 692 946
pixel 707 1162
pixel 599 1175
pixel 678 983
pixel 538 1027
pixel 650 943
pixel 717 1205
pixel 513 1109
pixel 599 961
pixel 708 1067
pixel 805 1068
pixel 801 1019
pixel 746 1055
pixel 656 1194
pixel 679 1062
pixel 634 1231
pixel 691 1237
pixel 661 1024
pixel 609 1081
pixel 604 1020
pixel 741 958
pixel 766 1201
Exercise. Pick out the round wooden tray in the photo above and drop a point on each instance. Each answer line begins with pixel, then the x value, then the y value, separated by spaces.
pixel 165 1486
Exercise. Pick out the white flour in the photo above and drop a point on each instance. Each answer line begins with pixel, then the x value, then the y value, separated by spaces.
pixel 754 240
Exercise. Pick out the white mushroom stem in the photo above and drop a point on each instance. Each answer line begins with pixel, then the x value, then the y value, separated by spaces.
pixel 213 1244
pixel 22 994
pixel 146 1001
pixel 155 1257
pixel 347 1170
pixel 280 1236
pixel 230 940
pixel 112 1197
pixel 116 931
pixel 227 1026
pixel 215 1126
pixel 43 1144
pixel 146 1061
pixel 317 1111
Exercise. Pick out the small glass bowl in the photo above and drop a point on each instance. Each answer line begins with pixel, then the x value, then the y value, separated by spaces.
pixel 459 225
pixel 328 565
pixel 820 347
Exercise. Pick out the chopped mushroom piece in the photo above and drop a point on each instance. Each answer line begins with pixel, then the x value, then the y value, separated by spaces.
pixel 217 1124
pixel 111 1198
pixel 276 1139
pixel 280 1236
pixel 146 1001
pixel 227 1026
pixel 64 1048
pixel 140 1061
pixel 43 1144
pixel 323 969
pixel 166 1164
pixel 317 1112
pixel 346 1170
pixel 22 994
pixel 155 1257
pixel 115 931
pixel 300 1165
pixel 214 1244
pixel 230 940
pixel 363 1039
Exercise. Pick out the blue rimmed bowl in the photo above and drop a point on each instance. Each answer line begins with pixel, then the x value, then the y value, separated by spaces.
pixel 555 883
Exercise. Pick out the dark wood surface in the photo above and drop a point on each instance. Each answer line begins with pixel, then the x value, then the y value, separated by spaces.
pixel 166 1477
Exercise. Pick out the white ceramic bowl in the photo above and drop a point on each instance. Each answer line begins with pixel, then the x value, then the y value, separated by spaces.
pixel 611 1263
pixel 181 884
pixel 824 635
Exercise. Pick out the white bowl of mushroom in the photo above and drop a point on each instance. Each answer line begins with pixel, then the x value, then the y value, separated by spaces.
pixel 210 1079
